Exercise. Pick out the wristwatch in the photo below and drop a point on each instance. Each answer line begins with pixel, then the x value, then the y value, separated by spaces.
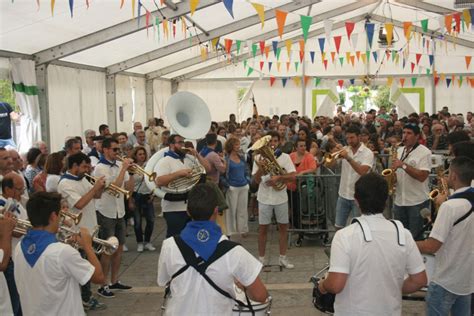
pixel 404 166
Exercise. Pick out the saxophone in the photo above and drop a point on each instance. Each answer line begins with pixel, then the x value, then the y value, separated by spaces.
pixel 442 185
pixel 267 161
pixel 389 174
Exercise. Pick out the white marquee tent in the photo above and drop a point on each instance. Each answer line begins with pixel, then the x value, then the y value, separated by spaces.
pixel 104 65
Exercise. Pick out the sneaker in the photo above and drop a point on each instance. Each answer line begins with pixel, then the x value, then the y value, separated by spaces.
pixel 119 286
pixel 125 248
pixel 140 247
pixel 285 263
pixel 149 246
pixel 104 291
pixel 93 305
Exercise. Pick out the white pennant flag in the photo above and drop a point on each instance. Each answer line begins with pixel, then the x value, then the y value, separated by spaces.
pixel 328 30
pixel 354 39
pixel 441 23
pixel 249 46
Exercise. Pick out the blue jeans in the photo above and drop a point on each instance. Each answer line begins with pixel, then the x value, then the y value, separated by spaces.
pixel 344 208
pixel 14 296
pixel 439 302
pixel 411 218
pixel 143 207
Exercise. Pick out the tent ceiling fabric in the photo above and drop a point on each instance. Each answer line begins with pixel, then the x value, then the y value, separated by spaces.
pixel 105 36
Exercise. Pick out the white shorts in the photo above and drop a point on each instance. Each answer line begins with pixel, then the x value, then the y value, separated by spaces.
pixel 265 213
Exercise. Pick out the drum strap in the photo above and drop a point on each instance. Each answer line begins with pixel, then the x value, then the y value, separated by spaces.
pixel 368 234
pixel 468 195
pixel 200 265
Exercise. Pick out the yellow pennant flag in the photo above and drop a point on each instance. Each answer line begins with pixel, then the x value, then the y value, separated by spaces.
pixel 260 11
pixel 53 2
pixel 278 65
pixel 364 58
pixel 165 27
pixel 193 5
pixel 389 81
pixel 133 8
pixel 323 56
pixel 288 44
pixel 389 29
pixel 397 59
pixel 348 57
pixel 467 17
pixel 203 53
pixel 442 77
pixel 183 26
pixel 297 81
pixel 214 42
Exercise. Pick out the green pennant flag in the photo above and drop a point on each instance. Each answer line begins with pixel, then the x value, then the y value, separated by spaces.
pixel 367 53
pixel 254 49
pixel 249 71
pixel 394 54
pixel 278 53
pixel 245 63
pixel 238 43
pixel 296 65
pixel 157 23
pixel 460 80
pixel 317 81
pixel 428 71
pixel 305 23
pixel 424 25
pixel 341 60
pixel 413 81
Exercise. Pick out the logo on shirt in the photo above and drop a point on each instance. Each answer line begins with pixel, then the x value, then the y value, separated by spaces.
pixel 203 235
pixel 31 249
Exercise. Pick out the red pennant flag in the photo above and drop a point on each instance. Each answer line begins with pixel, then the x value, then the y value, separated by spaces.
pixel 471 80
pixel 228 45
pixel 147 19
pixel 337 41
pixel 468 61
pixel 340 83
pixel 262 47
pixel 436 80
pixel 288 66
pixel 261 65
pixel 349 29
pixel 457 20
pixel 301 56
pixel 402 81
pixel 306 79
pixel 325 62
pixel 272 81
pixel 412 67
pixel 333 56
pixel 387 53
pixel 418 57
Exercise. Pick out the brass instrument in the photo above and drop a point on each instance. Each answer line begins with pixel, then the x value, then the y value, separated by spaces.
pixel 389 174
pixel 111 189
pixel 329 158
pixel 75 218
pixel 185 184
pixel 134 168
pixel 64 235
pixel 268 162
pixel 442 186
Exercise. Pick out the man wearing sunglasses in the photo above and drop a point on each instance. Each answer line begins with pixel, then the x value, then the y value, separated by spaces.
pixel 111 211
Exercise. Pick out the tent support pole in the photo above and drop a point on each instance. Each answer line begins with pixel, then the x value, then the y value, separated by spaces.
pixel 43 100
pixel 149 98
pixel 110 87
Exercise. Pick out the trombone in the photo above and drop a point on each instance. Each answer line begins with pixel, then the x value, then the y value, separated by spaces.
pixel 111 189
pixel 134 168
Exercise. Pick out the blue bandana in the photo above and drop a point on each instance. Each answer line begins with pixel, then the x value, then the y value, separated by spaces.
pixel 174 155
pixel 202 237
pixel 106 162
pixel 69 176
pixel 454 196
pixel 278 152
pixel 11 207
pixel 206 151
pixel 34 243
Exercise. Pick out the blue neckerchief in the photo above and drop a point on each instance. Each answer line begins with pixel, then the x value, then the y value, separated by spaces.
pixel 202 237
pixel 69 176
pixel 455 195
pixel 206 151
pixel 278 152
pixel 106 162
pixel 12 208
pixel 34 243
pixel 174 155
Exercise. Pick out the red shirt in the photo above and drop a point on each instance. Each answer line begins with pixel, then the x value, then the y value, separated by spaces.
pixel 306 163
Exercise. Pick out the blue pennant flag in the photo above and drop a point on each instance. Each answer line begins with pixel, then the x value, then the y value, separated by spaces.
pixel 448 81
pixel 275 47
pixel 270 66
pixel 321 43
pixel 229 6
pixel 311 54
pixel 352 80
pixel 370 28
pixel 283 81
pixel 375 56
pixel 431 59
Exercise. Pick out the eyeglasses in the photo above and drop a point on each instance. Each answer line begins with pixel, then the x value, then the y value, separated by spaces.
pixel 116 149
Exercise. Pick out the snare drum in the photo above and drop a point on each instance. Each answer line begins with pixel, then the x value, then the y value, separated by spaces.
pixel 260 309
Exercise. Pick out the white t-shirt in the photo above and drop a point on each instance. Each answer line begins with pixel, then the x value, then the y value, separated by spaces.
pixel 19 212
pixel 72 191
pixel 454 268
pixel 266 194
pixel 166 166
pixel 109 205
pixel 375 269
pixel 52 285
pixel 191 294
pixel 349 176
pixel 410 191
pixel 5 302
pixel 52 181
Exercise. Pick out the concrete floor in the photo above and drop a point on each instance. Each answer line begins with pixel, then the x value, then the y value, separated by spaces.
pixel 290 289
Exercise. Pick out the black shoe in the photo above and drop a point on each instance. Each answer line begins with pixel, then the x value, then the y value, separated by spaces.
pixel 119 286
pixel 104 291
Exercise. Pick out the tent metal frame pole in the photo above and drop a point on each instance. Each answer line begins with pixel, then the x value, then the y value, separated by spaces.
pixel 110 87
pixel 265 36
pixel 149 98
pixel 421 4
pixel 433 85
pixel 214 33
pixel 43 100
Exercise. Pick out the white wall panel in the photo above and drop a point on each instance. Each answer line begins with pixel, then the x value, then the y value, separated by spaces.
pixel 130 97
pixel 161 94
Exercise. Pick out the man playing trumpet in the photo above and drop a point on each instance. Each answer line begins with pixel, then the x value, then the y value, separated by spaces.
pixel 79 195
pixel 47 271
pixel 111 211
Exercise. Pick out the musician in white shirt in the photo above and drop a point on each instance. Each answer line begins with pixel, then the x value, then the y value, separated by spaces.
pixel 7 225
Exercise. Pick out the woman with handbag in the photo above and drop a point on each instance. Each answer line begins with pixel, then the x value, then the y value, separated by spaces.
pixel 237 177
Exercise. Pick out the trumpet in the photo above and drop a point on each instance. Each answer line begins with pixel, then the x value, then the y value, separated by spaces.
pixel 75 218
pixel 134 168
pixel 64 234
pixel 111 189
pixel 329 158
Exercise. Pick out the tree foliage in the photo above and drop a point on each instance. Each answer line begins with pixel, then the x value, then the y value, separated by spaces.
pixel 6 93
pixel 383 97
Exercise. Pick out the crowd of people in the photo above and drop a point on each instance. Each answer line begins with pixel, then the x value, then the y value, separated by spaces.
pixel 92 174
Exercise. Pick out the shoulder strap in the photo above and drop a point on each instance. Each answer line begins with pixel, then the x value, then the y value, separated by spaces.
pixel 468 196
pixel 400 232
pixel 464 216
pixel 365 228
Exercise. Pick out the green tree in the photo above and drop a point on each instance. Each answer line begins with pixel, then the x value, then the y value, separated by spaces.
pixel 6 93
pixel 383 97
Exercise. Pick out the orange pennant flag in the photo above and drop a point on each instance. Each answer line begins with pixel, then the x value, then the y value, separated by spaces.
pixel 267 51
pixel 301 45
pixel 389 29
pixel 472 82
pixel 121 3
pixel 193 5
pixel 288 66
pixel 353 60
pixel 260 11
pixel 358 55
pixel 228 45
pixel 306 79
pixel 280 18
pixel 333 55
pixel 448 21
pixel 402 81
pixel 468 61
pixel 407 27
